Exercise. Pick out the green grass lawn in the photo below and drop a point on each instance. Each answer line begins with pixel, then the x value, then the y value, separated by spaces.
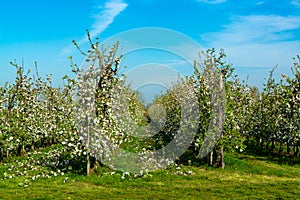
pixel 245 177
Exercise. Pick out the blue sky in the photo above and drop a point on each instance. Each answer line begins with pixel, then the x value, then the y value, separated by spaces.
pixel 256 34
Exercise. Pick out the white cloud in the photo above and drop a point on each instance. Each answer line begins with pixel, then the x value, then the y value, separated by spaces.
pixel 263 55
pixel 258 40
pixel 262 28
pixel 295 3
pixel 212 1
pixel 106 15
pixel 260 3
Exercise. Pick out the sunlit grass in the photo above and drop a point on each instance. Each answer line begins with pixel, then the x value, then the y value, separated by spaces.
pixel 245 177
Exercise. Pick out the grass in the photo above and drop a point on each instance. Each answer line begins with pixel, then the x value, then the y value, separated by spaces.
pixel 246 177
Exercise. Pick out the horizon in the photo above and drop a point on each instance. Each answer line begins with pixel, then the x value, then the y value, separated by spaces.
pixel 256 35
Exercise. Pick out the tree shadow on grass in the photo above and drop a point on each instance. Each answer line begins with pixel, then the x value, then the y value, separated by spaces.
pixel 253 152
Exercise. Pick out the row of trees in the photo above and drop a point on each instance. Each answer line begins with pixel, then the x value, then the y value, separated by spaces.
pixel 68 127
pixel 276 123
pixel 234 110
pixel 34 115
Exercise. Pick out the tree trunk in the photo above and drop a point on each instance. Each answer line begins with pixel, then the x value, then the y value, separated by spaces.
pixel 273 145
pixel 23 151
pixel 88 165
pixel 280 148
pixel 215 156
pixel 222 161
pixel 267 145
pixel 258 139
pixel 288 148
pixel 296 151
pixel 211 158
pixel 261 143
pixel 88 161
pixel 1 155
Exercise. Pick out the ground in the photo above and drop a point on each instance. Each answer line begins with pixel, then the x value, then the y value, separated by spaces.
pixel 245 177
